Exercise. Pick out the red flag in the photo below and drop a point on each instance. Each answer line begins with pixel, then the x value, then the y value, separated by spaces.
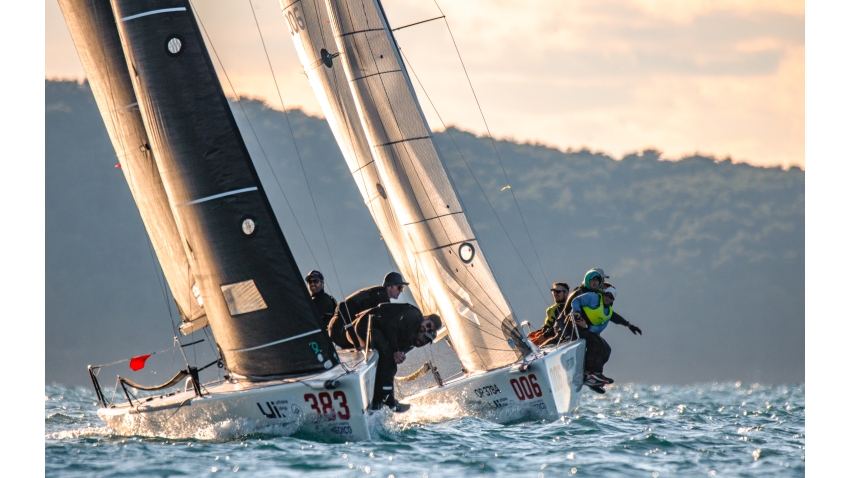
pixel 118 165
pixel 138 363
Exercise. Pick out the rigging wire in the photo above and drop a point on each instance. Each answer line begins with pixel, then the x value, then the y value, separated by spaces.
pixel 295 143
pixel 490 135
pixel 251 127
pixel 469 168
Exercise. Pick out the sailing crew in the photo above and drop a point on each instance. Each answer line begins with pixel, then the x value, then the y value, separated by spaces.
pixel 393 329
pixel 555 316
pixel 324 301
pixel 592 312
pixel 347 310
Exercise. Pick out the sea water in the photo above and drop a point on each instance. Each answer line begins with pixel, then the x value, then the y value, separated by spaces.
pixel 724 429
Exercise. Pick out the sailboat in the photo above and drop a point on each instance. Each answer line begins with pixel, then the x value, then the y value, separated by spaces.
pixel 355 69
pixel 215 235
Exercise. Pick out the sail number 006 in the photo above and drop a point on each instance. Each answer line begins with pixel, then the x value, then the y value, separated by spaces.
pixel 526 388
pixel 324 405
pixel 295 21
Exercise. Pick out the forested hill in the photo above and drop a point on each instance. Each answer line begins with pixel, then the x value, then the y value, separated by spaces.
pixel 707 255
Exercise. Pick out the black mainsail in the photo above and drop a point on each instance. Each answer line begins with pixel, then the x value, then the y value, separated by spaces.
pixel 255 300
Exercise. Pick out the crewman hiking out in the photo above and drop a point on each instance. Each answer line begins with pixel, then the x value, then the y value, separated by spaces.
pixel 393 329
pixel 592 312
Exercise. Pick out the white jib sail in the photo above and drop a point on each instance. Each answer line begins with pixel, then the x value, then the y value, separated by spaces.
pixel 452 276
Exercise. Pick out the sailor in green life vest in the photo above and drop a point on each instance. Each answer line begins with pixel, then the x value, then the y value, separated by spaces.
pixel 592 312
pixel 555 315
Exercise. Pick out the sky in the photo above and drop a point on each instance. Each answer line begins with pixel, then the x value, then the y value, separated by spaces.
pixel 721 78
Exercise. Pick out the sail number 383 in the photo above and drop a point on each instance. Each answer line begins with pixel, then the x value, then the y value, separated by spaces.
pixel 324 404
pixel 526 388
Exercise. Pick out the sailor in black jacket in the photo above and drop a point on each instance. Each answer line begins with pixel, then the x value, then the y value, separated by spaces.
pixel 324 301
pixel 363 299
pixel 393 330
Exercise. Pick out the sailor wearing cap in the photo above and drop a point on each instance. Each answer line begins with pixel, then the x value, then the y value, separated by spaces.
pixel 325 302
pixel 555 314
pixel 359 301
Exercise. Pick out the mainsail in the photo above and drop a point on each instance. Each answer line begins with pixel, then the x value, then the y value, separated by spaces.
pixel 92 27
pixel 257 305
pixel 449 272
pixel 314 41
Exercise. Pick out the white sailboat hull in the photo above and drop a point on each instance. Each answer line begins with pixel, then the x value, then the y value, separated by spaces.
pixel 280 407
pixel 547 388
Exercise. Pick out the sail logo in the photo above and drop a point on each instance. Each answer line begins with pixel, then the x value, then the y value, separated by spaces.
pixel 321 358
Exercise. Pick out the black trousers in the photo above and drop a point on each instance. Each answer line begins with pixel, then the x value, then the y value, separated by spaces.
pixel 597 351
pixel 386 369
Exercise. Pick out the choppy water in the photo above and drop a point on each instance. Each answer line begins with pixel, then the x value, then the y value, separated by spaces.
pixel 633 430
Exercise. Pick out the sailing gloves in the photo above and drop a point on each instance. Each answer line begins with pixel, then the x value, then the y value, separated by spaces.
pixel 635 329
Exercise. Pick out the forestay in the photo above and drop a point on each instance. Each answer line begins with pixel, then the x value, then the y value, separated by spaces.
pixel 92 27
pixel 258 308
pixel 449 272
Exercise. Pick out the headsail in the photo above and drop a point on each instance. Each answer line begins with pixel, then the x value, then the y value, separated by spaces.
pixel 92 27
pixel 450 273
pixel 257 305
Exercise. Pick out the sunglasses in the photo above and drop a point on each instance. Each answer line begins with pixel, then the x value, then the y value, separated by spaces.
pixel 400 287
pixel 313 281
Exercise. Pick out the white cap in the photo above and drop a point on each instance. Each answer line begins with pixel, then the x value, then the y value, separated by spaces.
pixel 611 290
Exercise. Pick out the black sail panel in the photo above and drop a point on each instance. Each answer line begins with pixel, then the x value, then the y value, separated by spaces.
pixel 92 27
pixel 257 304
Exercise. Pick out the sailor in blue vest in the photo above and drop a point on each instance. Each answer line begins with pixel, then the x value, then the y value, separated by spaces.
pixel 592 312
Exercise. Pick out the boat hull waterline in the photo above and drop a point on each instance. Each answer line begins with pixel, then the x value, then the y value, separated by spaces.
pixel 281 407
pixel 547 388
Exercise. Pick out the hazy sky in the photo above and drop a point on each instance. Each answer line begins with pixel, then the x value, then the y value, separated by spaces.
pixel 719 77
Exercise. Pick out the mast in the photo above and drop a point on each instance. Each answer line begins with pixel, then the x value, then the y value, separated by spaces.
pixel 257 305
pixel 92 27
pixel 453 276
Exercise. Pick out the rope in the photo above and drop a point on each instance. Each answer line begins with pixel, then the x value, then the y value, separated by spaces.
pixel 490 135
pixel 477 183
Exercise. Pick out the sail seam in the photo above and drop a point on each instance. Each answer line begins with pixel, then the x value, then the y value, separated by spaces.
pixel 362 31
pixel 154 12
pixel 216 196
pixel 278 341
pixel 375 74
pixel 401 141
pixel 432 218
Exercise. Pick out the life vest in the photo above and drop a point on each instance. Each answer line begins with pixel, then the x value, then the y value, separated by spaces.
pixel 597 316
